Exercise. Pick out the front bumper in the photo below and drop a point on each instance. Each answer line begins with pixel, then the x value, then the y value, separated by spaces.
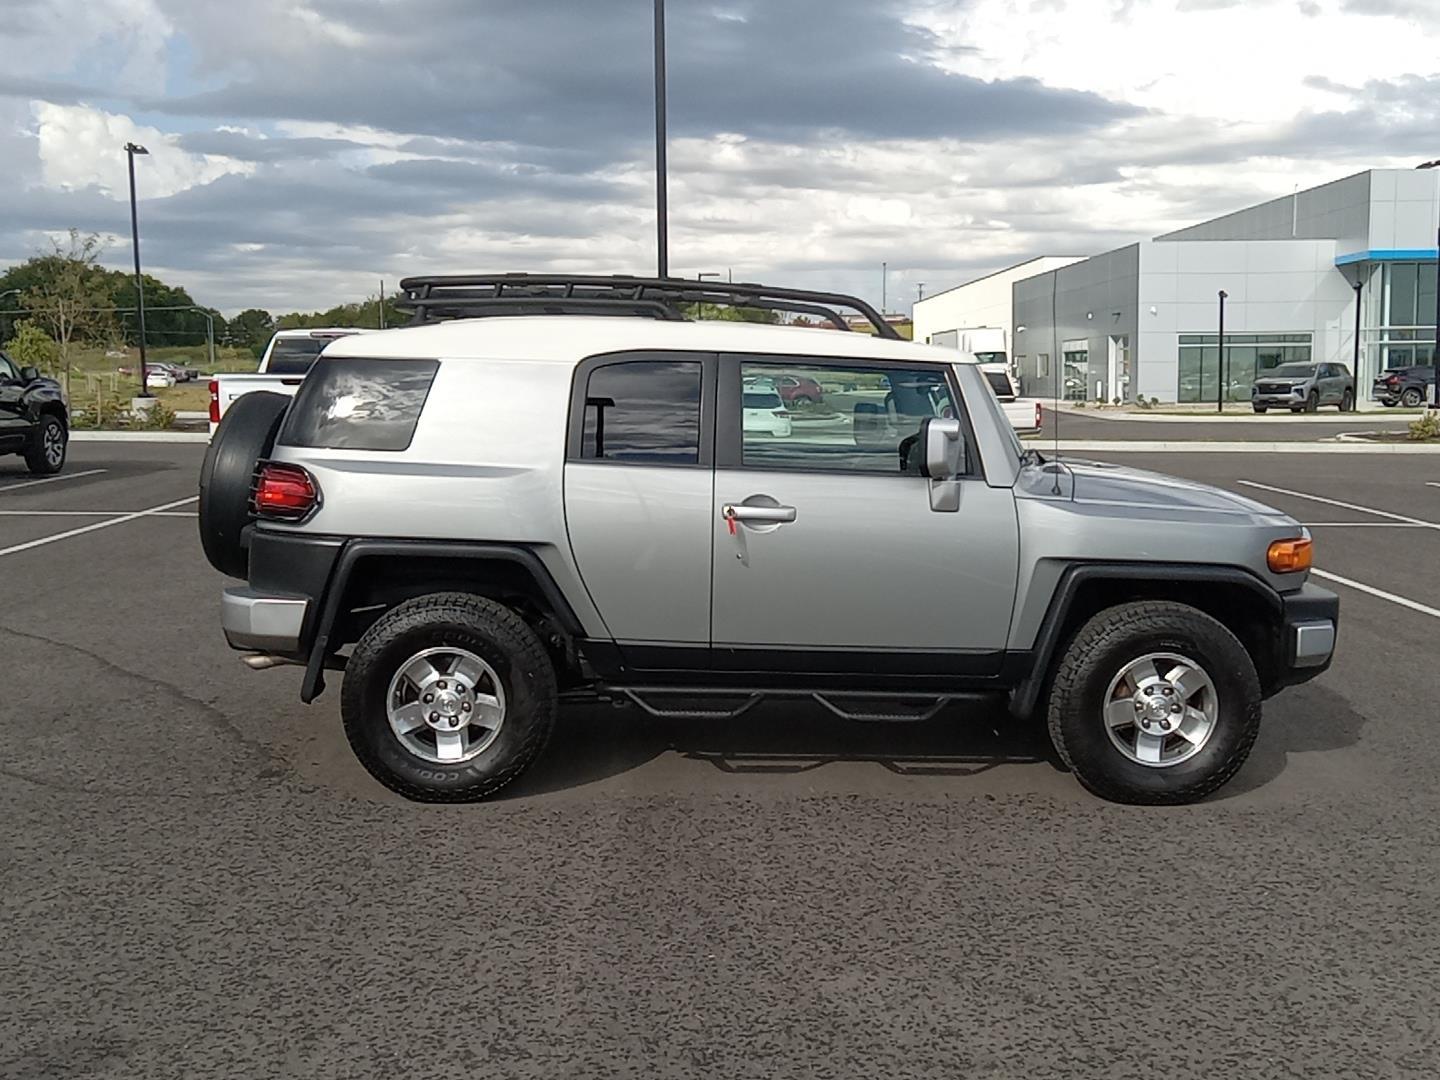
pixel 1310 624
pixel 1278 401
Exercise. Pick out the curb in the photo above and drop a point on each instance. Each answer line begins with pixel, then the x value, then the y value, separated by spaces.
pixel 1362 416
pixel 1119 446
pixel 141 436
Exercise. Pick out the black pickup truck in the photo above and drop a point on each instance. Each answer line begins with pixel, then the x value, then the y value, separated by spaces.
pixel 1408 386
pixel 33 420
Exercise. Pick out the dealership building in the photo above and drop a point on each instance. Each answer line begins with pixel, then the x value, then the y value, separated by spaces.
pixel 1143 320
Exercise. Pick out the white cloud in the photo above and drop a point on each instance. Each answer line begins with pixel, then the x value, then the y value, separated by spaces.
pixel 82 147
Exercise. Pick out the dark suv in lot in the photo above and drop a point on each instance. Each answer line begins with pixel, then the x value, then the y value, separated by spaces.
pixel 33 420
pixel 1408 386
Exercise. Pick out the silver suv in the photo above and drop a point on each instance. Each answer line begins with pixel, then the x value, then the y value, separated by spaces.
pixel 1304 387
pixel 478 518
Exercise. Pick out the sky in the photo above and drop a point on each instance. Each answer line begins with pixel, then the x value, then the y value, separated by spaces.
pixel 303 150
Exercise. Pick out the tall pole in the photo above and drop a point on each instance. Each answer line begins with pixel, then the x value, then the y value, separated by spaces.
pixel 382 303
pixel 662 209
pixel 1359 285
pixel 1220 358
pixel 884 285
pixel 1435 356
pixel 130 151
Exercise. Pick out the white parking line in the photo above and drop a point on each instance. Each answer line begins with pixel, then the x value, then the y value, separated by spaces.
pixel 1343 505
pixel 1381 593
pixel 108 513
pixel 121 520
pixel 53 479
pixel 1359 525
pixel 1431 483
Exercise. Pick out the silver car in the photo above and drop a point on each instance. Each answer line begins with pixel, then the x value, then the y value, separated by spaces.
pixel 1304 388
pixel 479 519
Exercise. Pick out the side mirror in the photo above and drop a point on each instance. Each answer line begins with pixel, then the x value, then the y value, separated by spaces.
pixel 944 454
pixel 29 374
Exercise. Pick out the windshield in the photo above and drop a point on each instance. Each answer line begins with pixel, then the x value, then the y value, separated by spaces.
pixel 762 400
pixel 1000 383
pixel 1292 371
pixel 990 358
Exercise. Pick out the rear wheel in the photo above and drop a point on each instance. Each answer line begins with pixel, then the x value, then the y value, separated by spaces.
pixel 448 697
pixel 46 455
pixel 1154 702
pixel 1412 398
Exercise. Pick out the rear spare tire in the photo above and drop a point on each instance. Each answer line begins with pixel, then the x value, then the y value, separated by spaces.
pixel 245 435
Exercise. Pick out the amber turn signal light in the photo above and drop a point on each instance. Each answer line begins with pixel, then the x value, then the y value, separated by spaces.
pixel 1288 556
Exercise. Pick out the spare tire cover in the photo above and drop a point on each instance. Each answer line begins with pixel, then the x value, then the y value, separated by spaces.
pixel 245 435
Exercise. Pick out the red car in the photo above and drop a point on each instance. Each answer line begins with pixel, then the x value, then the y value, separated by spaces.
pixel 798 391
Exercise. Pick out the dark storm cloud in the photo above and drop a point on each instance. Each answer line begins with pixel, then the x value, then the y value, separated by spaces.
pixel 561 74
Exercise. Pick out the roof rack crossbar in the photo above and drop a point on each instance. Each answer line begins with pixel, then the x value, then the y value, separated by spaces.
pixel 461 307
pixel 431 296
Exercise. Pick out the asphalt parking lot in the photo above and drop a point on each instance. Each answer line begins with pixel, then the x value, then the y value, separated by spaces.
pixel 198 880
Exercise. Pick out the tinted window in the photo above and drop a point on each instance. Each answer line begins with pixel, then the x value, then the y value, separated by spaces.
pixel 359 404
pixel 294 356
pixel 761 399
pixel 1294 371
pixel 645 411
pixel 1000 383
pixel 865 421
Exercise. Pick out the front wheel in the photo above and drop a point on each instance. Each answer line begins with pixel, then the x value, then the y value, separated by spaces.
pixel 1154 702
pixel 448 697
pixel 1312 402
pixel 46 455
pixel 1260 408
pixel 1347 402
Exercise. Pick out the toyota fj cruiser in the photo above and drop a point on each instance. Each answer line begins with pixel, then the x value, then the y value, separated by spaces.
pixel 546 488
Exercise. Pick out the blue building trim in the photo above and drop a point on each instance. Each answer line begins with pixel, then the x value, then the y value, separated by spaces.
pixel 1389 255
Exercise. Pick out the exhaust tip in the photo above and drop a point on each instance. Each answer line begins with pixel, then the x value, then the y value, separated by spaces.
pixel 262 661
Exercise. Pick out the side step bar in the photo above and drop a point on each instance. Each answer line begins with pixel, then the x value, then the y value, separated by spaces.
pixel 892 707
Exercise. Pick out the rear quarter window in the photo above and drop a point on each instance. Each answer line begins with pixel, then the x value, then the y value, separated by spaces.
pixel 347 404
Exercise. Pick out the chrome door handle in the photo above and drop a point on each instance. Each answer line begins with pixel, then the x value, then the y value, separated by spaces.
pixel 772 515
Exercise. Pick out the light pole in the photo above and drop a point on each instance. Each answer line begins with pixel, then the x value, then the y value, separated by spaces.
pixel 131 149
pixel 1220 358
pixel 1355 368
pixel 884 285
pixel 1435 355
pixel 662 233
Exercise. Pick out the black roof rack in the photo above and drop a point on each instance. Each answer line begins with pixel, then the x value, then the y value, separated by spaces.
pixel 468 296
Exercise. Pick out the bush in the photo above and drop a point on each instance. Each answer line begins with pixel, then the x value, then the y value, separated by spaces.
pixel 32 347
pixel 100 410
pixel 159 417
pixel 1426 427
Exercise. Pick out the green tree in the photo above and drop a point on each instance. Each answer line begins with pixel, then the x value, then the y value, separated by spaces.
pixel 70 301
pixel 251 329
pixel 32 347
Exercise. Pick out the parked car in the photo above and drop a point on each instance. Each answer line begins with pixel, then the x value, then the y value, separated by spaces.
pixel 763 413
pixel 282 369
pixel 1304 387
pixel 475 515
pixel 34 422
pixel 1025 416
pixel 799 391
pixel 158 378
pixel 1408 386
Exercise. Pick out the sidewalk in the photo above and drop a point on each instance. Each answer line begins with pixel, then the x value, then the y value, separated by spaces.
pixel 1377 414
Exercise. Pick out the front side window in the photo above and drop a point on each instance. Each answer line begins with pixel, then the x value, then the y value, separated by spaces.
pixel 643 412
pixel 857 419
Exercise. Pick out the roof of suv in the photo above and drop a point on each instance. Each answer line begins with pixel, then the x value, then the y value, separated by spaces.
pixel 571 338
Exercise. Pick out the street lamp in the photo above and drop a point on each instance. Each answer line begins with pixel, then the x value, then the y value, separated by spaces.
pixel 131 149
pixel 662 230
pixel 1355 366
pixel 1220 358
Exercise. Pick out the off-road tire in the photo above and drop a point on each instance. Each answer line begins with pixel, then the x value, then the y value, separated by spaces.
pixel 35 459
pixel 1096 653
pixel 494 633
pixel 246 434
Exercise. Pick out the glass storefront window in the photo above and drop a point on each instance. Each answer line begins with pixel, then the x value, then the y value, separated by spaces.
pixel 1244 362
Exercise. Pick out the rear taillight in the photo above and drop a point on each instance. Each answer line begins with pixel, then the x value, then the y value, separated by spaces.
pixel 214 401
pixel 281 491
pixel 1037 414
pixel 1393 380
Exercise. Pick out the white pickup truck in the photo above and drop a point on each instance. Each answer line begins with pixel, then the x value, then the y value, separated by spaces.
pixel 1023 413
pixel 287 358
